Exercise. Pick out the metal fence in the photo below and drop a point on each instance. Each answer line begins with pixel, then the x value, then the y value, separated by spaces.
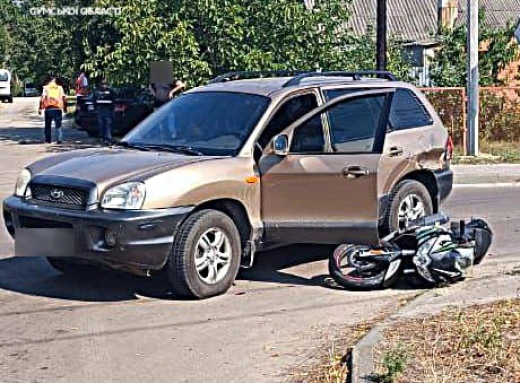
pixel 499 113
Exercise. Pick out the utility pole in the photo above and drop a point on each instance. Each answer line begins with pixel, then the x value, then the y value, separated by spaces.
pixel 473 77
pixel 381 35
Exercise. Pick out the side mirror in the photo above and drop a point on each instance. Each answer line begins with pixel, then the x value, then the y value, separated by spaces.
pixel 280 145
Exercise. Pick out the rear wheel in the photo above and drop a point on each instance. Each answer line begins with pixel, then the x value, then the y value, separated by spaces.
pixel 409 200
pixel 205 257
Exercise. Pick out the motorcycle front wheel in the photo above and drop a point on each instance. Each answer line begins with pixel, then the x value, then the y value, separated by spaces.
pixel 349 270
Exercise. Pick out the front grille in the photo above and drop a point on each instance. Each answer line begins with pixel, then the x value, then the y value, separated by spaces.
pixel 39 223
pixel 59 196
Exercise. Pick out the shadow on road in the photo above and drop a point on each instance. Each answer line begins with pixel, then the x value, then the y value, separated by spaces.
pixel 72 139
pixel 34 276
pixel 269 265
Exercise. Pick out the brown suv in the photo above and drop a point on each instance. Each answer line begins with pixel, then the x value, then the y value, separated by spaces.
pixel 235 167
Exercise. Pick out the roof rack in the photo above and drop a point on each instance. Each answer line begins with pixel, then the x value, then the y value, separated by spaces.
pixel 242 75
pixel 299 75
pixel 356 75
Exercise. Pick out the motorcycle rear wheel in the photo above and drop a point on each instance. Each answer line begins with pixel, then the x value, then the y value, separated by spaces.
pixel 354 274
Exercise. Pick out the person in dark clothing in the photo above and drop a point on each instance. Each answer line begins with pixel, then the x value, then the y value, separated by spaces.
pixel 104 104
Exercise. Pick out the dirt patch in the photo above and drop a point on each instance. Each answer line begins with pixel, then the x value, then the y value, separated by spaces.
pixel 460 345
pixel 330 362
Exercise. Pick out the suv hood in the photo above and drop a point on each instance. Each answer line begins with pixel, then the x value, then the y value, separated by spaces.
pixel 108 166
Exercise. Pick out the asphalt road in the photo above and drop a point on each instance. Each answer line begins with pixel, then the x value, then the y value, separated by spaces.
pixel 113 328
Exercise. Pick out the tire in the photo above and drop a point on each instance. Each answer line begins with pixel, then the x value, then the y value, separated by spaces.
pixel 188 246
pixel 403 190
pixel 372 278
pixel 10 99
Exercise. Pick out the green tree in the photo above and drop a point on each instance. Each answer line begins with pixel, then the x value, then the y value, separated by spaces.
pixel 449 65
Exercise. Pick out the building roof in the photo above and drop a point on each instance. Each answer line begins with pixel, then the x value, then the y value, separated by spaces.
pixel 408 20
pixel 498 12
pixel 416 20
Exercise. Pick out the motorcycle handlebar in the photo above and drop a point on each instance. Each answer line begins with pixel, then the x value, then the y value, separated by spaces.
pixel 430 220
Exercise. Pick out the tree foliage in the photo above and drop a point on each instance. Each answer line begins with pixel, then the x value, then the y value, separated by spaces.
pixel 449 67
pixel 203 38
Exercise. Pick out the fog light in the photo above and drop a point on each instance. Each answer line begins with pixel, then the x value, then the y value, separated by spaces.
pixel 110 238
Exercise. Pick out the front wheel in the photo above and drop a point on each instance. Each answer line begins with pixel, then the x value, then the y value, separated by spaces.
pixel 349 270
pixel 205 257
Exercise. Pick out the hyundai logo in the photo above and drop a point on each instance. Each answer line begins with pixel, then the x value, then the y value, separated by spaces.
pixel 56 194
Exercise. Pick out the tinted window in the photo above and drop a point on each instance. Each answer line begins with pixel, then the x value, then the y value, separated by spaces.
pixel 213 123
pixel 309 137
pixel 408 111
pixel 289 112
pixel 4 76
pixel 354 124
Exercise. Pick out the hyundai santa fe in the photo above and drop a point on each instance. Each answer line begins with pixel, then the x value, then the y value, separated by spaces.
pixel 240 165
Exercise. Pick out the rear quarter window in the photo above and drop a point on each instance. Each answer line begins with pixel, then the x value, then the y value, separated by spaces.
pixel 408 111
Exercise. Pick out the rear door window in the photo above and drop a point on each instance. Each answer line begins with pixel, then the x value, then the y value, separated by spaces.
pixel 354 124
pixel 406 112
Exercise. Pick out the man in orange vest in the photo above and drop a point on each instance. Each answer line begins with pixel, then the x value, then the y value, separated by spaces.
pixel 52 102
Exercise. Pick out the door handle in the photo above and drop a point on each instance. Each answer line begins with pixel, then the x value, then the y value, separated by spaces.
pixel 354 172
pixel 395 151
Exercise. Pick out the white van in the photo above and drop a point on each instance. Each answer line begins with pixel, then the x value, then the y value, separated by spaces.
pixel 5 85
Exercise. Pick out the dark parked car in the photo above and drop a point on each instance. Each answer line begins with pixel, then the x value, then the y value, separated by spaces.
pixel 132 105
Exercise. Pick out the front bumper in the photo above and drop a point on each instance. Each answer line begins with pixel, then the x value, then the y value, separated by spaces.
pixel 142 238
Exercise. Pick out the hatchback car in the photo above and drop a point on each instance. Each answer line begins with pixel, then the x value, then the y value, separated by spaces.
pixel 236 167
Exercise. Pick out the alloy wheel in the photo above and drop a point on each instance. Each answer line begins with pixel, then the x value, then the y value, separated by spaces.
pixel 410 209
pixel 213 256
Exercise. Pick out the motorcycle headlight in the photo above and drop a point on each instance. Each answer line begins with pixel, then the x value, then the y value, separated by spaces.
pixel 125 196
pixel 22 182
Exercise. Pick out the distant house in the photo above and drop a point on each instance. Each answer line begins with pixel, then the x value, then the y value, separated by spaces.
pixel 416 24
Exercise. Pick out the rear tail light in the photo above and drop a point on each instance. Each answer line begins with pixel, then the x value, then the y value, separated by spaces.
pixel 448 155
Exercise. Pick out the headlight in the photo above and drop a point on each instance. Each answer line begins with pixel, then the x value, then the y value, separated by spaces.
pixel 125 196
pixel 21 183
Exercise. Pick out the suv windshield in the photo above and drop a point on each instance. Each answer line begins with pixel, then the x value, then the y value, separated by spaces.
pixel 211 123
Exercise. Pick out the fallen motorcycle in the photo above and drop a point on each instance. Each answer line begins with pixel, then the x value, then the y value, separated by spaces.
pixel 426 248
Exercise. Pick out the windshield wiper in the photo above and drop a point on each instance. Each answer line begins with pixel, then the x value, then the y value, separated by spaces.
pixel 126 144
pixel 176 149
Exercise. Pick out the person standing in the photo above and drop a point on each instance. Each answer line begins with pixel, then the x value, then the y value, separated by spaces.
pixel 104 104
pixel 81 84
pixel 52 102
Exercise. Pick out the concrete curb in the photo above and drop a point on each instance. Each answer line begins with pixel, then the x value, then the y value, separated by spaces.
pixel 495 285
pixel 486 174
pixel 362 365
pixel 471 179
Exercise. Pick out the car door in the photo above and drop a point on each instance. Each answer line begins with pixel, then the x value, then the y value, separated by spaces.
pixel 323 187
